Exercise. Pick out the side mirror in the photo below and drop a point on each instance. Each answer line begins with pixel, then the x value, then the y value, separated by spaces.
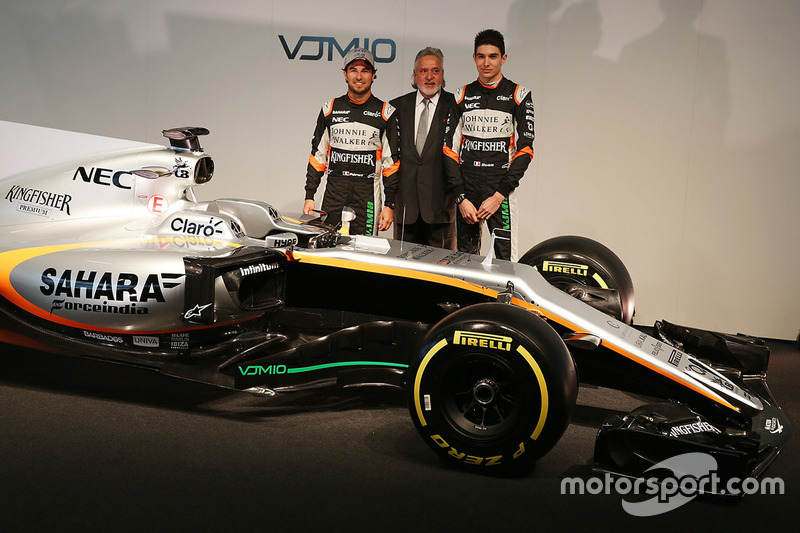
pixel 152 173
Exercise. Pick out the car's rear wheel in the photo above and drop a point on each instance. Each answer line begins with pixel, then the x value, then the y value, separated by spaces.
pixel 492 388
pixel 587 270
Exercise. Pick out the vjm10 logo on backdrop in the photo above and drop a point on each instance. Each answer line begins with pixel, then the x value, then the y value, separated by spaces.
pixel 314 48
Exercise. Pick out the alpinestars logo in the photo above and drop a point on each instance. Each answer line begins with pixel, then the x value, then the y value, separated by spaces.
pixel 196 311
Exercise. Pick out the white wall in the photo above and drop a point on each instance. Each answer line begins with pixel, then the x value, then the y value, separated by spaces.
pixel 667 129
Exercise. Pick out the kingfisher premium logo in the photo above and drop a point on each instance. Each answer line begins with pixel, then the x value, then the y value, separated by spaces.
pixel 38 202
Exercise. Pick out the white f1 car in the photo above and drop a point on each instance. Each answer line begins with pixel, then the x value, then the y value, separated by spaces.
pixel 111 256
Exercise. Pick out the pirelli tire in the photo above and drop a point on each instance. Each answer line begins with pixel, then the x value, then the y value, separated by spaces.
pixel 492 388
pixel 567 260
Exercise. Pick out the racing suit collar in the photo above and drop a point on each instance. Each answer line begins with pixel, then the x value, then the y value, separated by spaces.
pixel 492 85
pixel 360 102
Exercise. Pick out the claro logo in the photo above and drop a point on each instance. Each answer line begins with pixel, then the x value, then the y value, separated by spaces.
pixel 314 48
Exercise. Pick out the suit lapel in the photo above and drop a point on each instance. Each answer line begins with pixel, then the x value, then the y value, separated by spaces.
pixel 409 119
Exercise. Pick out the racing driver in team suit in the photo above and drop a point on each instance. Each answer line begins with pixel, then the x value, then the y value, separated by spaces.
pixel 488 147
pixel 356 141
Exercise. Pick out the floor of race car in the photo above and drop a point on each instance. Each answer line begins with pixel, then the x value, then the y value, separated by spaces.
pixel 89 446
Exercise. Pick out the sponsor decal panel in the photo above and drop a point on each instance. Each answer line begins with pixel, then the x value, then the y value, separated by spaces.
pixel 213 226
pixel 347 157
pixel 349 136
pixel 121 179
pixel 486 146
pixel 181 168
pixel 157 204
pixel 261 370
pixel 103 337
pixel 146 341
pixel 692 429
pixel 92 291
pixel 37 201
pixel 773 425
pixel 675 358
pixel 258 268
pixel 485 123
pixel 179 341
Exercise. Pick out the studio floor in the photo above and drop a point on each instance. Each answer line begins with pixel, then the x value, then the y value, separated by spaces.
pixel 90 446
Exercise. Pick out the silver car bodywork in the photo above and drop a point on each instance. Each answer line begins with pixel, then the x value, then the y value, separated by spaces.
pixel 113 251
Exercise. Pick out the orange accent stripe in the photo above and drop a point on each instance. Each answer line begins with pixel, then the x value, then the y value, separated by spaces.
pixel 527 151
pixel 445 280
pixel 392 271
pixel 449 152
pixel 624 353
pixel 516 92
pixel 319 167
pixel 388 171
pixel 358 102
pixel 18 339
pixel 654 368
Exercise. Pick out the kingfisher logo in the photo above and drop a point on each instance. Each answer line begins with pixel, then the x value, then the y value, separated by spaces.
pixel 314 48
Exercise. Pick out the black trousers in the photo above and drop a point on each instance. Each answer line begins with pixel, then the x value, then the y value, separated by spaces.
pixel 469 235
pixel 420 232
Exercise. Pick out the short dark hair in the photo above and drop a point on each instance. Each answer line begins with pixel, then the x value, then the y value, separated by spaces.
pixel 491 37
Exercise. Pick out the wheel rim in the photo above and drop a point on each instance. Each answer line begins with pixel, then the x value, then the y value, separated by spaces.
pixel 481 396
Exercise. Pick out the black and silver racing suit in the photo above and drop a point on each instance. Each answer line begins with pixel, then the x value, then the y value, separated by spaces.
pixel 354 145
pixel 488 146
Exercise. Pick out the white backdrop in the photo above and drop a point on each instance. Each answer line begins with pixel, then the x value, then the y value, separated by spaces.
pixel 669 130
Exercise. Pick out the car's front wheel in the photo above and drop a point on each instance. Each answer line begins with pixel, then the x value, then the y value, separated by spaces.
pixel 493 388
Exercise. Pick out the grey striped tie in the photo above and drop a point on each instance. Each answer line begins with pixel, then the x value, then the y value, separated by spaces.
pixel 422 129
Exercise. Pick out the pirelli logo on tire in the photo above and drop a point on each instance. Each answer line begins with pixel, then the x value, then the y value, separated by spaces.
pixel 574 269
pixel 483 340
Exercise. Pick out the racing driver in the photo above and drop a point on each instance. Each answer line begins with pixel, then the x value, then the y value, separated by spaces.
pixel 356 141
pixel 487 149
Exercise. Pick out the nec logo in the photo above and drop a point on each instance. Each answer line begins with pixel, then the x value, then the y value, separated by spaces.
pixel 103 176
pixel 384 50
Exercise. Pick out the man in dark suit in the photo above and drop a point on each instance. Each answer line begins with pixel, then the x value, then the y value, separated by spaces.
pixel 425 210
